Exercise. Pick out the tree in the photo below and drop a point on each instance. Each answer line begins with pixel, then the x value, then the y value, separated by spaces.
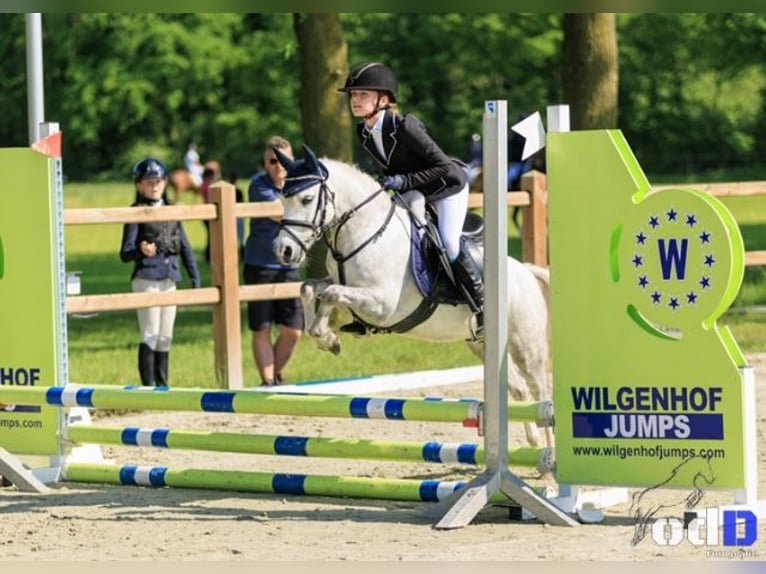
pixel 590 79
pixel 123 86
pixel 692 92
pixel 323 58
pixel 326 122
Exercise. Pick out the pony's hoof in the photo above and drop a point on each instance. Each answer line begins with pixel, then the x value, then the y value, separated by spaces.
pixel 335 348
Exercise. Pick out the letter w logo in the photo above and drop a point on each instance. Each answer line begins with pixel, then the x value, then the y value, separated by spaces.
pixel 669 256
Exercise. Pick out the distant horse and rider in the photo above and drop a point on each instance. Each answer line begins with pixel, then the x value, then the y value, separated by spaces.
pixel 378 257
pixel 191 178
pixel 181 180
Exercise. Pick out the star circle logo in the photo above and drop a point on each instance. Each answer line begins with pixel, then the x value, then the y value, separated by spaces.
pixel 675 258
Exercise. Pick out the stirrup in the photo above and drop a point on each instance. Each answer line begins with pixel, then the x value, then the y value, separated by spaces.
pixel 477 328
pixel 355 328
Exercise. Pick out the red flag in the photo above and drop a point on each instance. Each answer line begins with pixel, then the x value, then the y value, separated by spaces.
pixel 49 145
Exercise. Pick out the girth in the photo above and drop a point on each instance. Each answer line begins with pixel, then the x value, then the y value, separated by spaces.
pixel 421 314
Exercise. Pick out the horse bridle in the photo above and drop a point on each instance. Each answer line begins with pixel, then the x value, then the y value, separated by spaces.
pixel 319 227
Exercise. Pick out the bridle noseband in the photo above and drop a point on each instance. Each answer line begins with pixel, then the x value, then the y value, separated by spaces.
pixel 317 225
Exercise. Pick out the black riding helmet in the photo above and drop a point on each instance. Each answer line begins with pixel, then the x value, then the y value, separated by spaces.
pixel 371 76
pixel 149 168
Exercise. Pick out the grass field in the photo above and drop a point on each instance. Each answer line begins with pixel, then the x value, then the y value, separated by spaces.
pixel 102 347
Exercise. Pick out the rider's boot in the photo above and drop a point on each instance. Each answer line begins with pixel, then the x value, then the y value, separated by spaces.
pixel 161 364
pixel 468 274
pixel 146 364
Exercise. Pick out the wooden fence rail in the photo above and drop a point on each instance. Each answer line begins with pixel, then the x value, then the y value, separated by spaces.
pixel 226 294
pixel 734 189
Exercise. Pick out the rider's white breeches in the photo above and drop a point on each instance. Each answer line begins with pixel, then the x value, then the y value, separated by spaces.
pixel 156 323
pixel 451 212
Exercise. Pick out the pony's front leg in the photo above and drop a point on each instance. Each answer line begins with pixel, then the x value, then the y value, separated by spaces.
pixel 367 300
pixel 317 314
pixel 310 290
pixel 360 300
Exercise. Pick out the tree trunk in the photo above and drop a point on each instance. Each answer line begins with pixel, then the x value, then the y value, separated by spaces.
pixel 326 120
pixel 323 55
pixel 591 70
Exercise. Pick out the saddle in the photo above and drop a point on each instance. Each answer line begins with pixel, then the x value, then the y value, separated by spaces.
pixel 431 270
pixel 431 267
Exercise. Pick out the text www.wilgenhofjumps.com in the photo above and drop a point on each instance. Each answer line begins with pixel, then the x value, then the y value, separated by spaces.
pixel 656 452
pixel 15 424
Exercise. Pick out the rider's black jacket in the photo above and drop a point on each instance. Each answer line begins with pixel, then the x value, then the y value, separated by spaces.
pixel 412 153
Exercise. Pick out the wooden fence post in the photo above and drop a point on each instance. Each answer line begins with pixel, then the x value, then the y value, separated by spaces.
pixel 534 227
pixel 224 266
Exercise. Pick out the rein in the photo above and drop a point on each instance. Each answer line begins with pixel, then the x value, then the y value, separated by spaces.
pixel 342 220
pixel 319 227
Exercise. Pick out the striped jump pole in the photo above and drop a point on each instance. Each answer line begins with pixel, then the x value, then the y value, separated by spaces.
pixel 465 411
pixel 323 447
pixel 262 482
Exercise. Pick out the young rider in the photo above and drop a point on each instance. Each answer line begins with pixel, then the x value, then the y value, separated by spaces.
pixel 156 249
pixel 410 159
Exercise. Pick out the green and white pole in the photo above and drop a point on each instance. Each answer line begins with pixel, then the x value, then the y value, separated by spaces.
pixel 466 411
pixel 263 482
pixel 322 447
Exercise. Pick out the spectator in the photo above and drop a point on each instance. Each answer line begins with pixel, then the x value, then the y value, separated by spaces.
pixel 475 158
pixel 262 266
pixel 154 249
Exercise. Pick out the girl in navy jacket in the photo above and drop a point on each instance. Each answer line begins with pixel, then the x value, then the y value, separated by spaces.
pixel 156 249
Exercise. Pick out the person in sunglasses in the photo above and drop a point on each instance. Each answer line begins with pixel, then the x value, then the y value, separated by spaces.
pixel 261 266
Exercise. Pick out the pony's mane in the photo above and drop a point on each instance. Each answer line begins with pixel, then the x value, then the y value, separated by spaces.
pixel 345 174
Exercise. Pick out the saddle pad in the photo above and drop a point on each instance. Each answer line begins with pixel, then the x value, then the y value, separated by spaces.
pixel 420 269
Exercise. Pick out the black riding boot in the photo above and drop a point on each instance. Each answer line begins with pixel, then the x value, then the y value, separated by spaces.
pixel 468 276
pixel 146 364
pixel 161 359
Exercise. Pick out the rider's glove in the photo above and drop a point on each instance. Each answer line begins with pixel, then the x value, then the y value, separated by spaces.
pixel 393 182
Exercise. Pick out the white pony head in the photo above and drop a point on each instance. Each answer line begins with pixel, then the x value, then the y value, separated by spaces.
pixel 318 196
pixel 307 204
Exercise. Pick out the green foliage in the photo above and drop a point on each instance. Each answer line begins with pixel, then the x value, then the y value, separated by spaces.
pixel 692 87
pixel 124 85
pixel 691 90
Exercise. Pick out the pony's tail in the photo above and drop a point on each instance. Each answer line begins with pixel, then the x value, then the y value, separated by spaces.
pixel 543 276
